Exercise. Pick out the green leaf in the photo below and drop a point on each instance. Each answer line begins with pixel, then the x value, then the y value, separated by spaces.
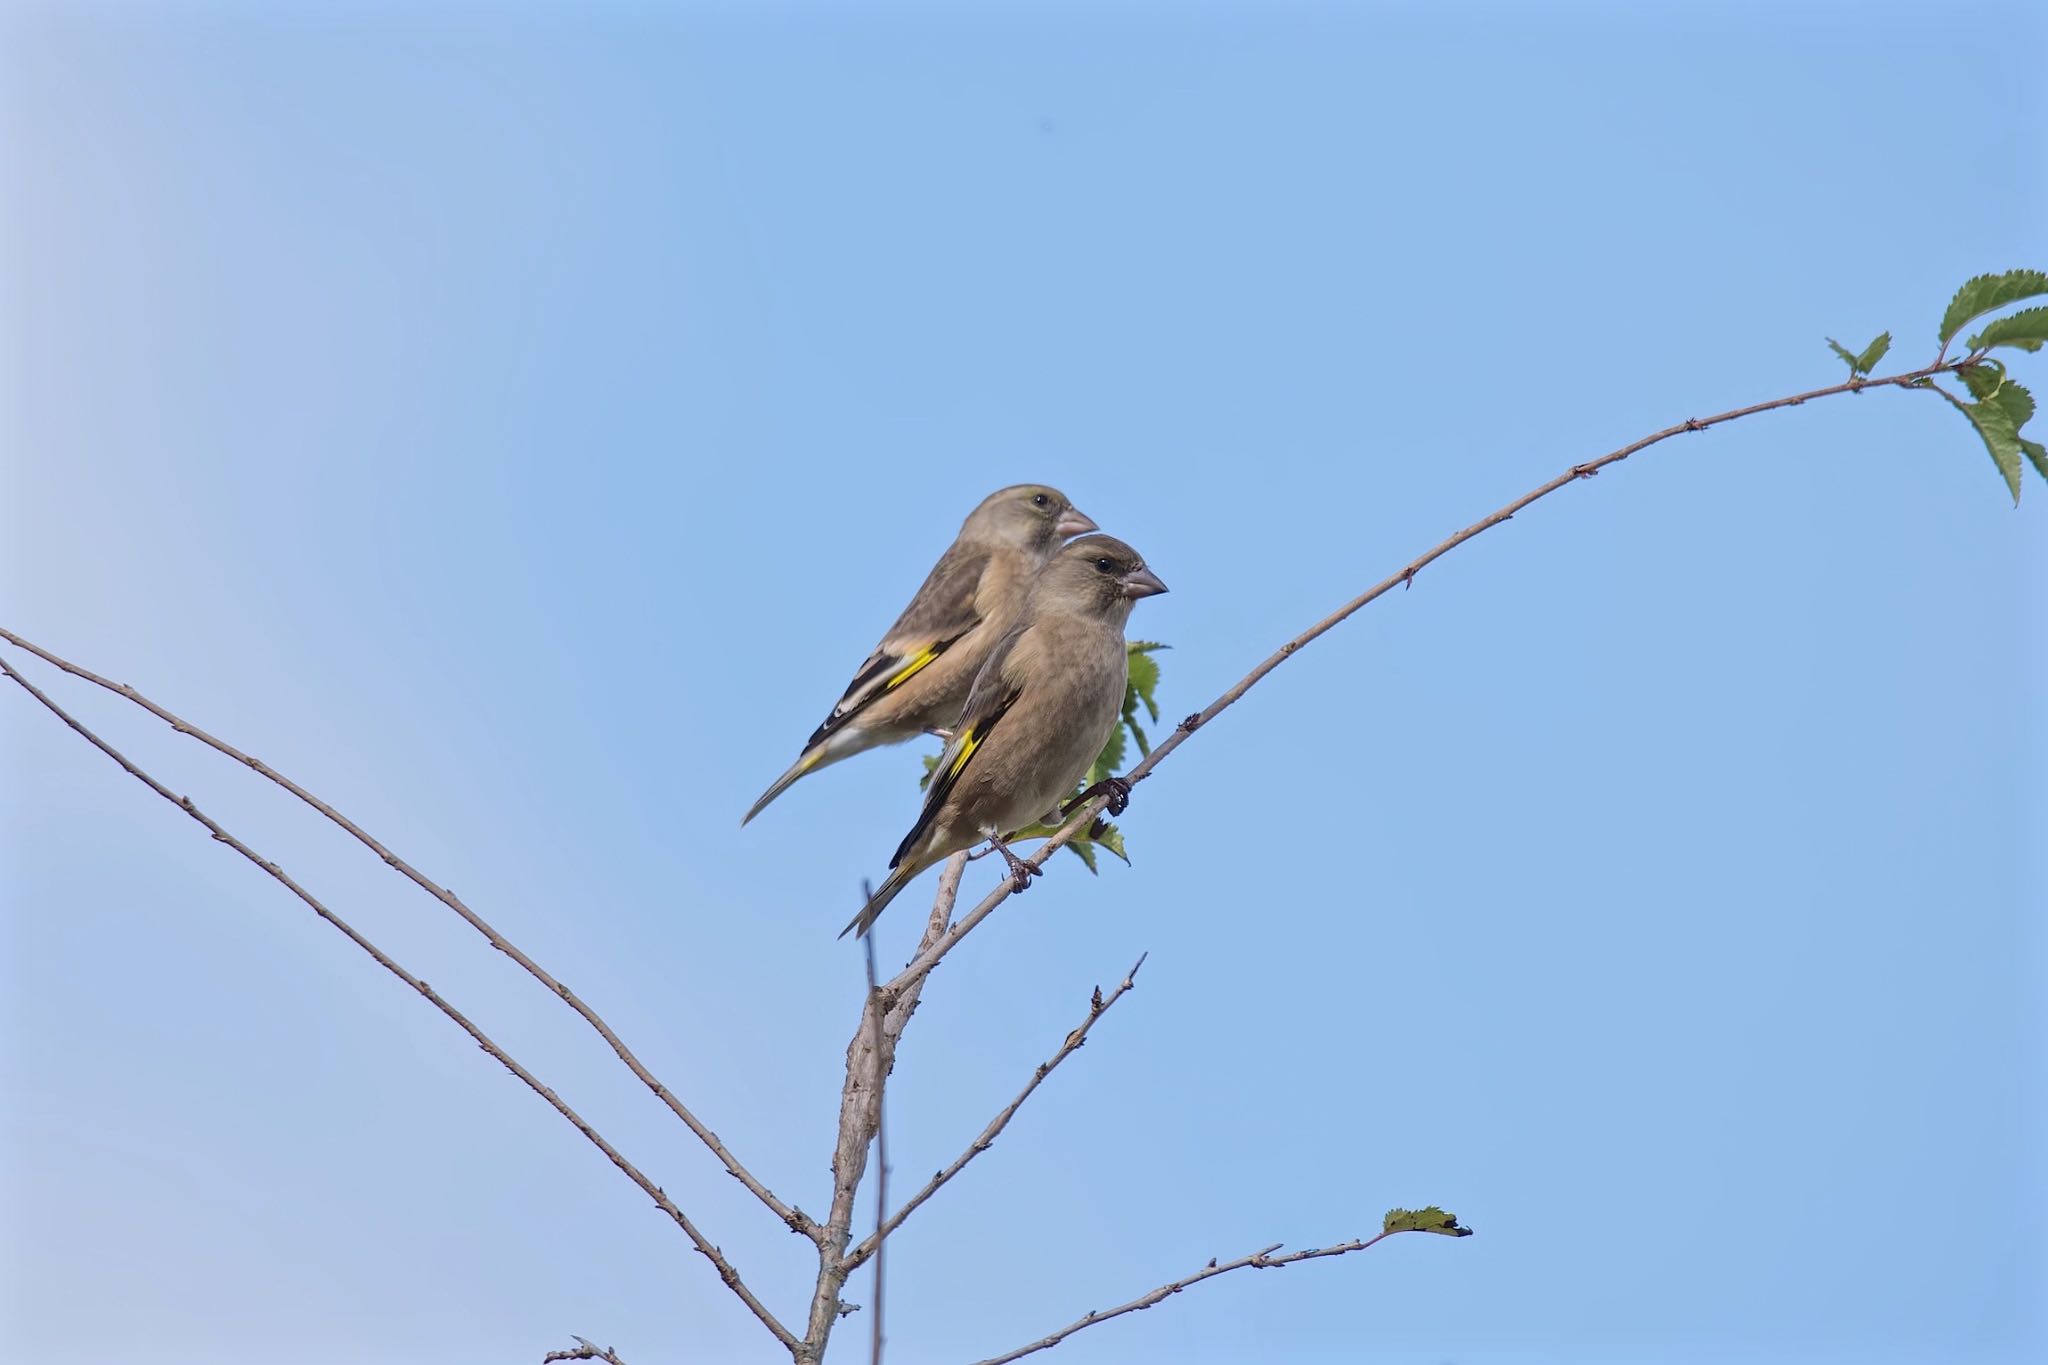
pixel 1144 675
pixel 1848 356
pixel 2037 455
pixel 931 765
pixel 2001 438
pixel 1110 761
pixel 2026 329
pixel 1874 352
pixel 1431 1219
pixel 1138 732
pixel 1110 837
pixel 1083 850
pixel 2017 403
pixel 1987 292
pixel 1983 378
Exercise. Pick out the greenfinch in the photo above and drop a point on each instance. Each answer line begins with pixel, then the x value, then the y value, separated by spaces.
pixel 919 674
pixel 1041 708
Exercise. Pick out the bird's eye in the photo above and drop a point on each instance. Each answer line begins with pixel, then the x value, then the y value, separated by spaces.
pixel 1106 565
pixel 1039 500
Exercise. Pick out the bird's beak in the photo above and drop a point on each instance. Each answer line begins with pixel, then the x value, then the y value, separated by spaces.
pixel 1074 522
pixel 1143 583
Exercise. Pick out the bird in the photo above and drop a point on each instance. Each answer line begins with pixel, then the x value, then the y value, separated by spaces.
pixel 1041 708
pixel 919 674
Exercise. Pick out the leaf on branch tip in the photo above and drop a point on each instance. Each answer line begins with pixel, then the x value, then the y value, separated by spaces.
pixel 2000 437
pixel 2027 330
pixel 1987 292
pixel 1848 357
pixel 2016 401
pixel 1431 1219
pixel 1983 378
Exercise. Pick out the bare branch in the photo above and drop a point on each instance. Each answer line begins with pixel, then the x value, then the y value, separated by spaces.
pixel 1262 1259
pixel 859 1115
pixel 1098 1005
pixel 433 997
pixel 875 1337
pixel 583 1350
pixel 1084 814
pixel 793 1218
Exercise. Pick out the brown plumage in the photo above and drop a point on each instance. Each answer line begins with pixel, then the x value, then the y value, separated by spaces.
pixel 1041 709
pixel 920 673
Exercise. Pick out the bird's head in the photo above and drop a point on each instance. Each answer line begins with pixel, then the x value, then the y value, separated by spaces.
pixel 1098 574
pixel 1027 516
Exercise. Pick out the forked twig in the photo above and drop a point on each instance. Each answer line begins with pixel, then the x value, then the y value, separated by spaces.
pixel 1098 1005
pixel 433 997
pixel 793 1218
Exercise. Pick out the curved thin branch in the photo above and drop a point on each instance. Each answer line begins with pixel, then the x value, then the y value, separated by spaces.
pixel 793 1218
pixel 1085 814
pixel 1098 1005
pixel 1262 1259
pixel 433 997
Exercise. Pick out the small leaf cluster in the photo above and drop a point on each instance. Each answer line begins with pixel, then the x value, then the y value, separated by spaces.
pixel 1998 406
pixel 1141 688
pixel 1431 1219
pixel 2002 405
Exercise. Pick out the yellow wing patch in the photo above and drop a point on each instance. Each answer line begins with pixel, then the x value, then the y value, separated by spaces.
pixel 969 742
pixel 903 674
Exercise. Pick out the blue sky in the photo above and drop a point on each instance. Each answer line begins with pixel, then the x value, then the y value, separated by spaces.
pixel 515 422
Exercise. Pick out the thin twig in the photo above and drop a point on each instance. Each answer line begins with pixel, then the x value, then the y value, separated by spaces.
pixel 793 1218
pixel 1262 1259
pixel 1098 1005
pixel 433 997
pixel 583 1350
pixel 1085 814
pixel 881 1144
pixel 859 1116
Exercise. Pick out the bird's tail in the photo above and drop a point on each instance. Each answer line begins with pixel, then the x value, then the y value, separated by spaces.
pixel 897 879
pixel 820 753
pixel 810 760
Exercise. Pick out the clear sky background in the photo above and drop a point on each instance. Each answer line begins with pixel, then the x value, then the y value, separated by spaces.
pixel 516 422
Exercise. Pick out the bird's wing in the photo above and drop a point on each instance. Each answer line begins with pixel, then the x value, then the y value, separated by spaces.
pixel 991 697
pixel 939 614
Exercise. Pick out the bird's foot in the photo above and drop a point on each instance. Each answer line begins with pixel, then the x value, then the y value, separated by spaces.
pixel 1021 872
pixel 1115 788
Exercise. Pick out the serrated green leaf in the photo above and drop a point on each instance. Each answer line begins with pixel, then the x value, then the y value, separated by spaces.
pixel 1983 378
pixel 1110 761
pixel 1110 837
pixel 1081 849
pixel 1431 1219
pixel 2026 329
pixel 1848 356
pixel 1144 679
pixel 1874 352
pixel 2037 456
pixel 1986 292
pixel 2018 404
pixel 2001 438
pixel 1137 733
